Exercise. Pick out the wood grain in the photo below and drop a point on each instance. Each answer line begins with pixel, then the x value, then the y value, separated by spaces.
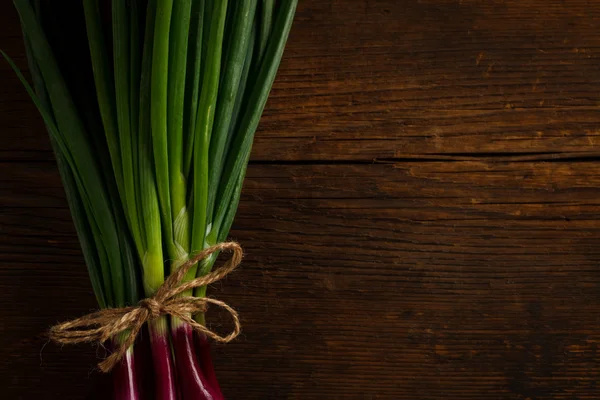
pixel 462 264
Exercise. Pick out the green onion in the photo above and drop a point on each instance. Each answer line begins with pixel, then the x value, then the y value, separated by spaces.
pixel 204 123
pixel 176 106
pixel 151 111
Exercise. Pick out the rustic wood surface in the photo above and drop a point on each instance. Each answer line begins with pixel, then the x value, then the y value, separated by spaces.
pixel 420 218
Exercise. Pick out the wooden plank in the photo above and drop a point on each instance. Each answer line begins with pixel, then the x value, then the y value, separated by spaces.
pixel 372 80
pixel 428 280
pixel 364 80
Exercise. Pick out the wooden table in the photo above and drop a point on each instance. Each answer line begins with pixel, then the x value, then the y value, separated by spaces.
pixel 420 218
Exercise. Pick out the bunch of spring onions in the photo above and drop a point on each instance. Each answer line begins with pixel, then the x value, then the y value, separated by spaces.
pixel 151 107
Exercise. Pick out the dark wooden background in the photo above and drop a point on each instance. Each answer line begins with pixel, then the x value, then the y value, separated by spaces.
pixel 421 214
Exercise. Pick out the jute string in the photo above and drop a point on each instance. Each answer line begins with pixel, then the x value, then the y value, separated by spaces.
pixel 105 324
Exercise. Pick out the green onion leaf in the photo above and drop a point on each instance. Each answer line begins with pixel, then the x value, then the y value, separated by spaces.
pixel 242 142
pixel 230 84
pixel 204 122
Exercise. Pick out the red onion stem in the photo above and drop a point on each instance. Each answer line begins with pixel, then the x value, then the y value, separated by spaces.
pixel 193 383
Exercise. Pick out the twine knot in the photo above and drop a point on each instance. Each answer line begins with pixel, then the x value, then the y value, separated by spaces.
pixel 155 309
pixel 105 324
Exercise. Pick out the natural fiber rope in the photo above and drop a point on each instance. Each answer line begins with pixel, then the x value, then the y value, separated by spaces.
pixel 102 325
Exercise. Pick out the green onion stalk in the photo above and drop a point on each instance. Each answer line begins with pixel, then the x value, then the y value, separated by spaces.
pixel 151 107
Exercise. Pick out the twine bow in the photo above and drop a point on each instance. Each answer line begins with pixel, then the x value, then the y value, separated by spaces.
pixel 102 325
